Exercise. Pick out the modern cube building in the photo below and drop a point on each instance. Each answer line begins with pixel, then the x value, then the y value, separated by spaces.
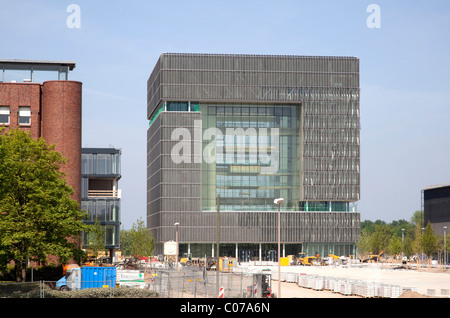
pixel 228 134
pixel 100 193
pixel 436 207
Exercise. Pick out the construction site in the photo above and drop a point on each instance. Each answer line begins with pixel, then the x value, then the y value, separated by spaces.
pixel 300 277
pixel 368 280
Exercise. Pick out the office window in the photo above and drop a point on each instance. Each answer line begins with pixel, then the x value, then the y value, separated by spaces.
pixel 177 107
pixel 87 163
pixel 104 165
pixel 4 115
pixel 237 175
pixel 24 115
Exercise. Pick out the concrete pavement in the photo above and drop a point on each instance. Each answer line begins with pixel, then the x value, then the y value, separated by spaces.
pixel 427 282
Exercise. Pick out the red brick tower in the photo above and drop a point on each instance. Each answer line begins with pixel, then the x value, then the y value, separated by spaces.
pixel 61 125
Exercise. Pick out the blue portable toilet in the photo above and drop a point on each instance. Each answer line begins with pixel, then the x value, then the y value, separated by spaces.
pixel 98 277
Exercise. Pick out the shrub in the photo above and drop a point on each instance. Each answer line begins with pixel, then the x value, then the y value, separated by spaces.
pixel 32 290
pixel 103 293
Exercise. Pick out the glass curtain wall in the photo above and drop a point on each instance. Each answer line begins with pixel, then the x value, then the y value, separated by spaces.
pixel 101 164
pixel 99 194
pixel 238 172
pixel 104 210
pixel 29 72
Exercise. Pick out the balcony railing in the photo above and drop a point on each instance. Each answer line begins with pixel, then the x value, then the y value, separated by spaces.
pixel 103 193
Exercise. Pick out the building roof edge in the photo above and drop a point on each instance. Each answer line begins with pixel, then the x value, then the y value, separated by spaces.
pixel 71 64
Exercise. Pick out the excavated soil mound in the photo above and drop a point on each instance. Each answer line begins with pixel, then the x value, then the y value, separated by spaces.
pixel 412 294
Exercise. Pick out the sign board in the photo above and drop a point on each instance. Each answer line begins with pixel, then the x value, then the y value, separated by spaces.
pixel 130 278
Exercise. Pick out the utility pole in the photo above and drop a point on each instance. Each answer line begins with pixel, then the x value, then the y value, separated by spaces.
pixel 176 240
pixel 279 202
pixel 217 243
pixel 445 247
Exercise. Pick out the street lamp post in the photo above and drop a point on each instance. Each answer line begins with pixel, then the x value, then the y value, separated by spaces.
pixel 421 244
pixel 279 201
pixel 176 240
pixel 403 232
pixel 445 246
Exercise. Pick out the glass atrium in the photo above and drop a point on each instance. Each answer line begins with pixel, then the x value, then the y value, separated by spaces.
pixel 28 71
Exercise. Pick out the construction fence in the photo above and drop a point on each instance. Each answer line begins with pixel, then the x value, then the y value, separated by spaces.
pixel 166 283
pixel 206 284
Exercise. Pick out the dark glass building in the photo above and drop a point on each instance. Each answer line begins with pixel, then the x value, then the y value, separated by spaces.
pixel 100 193
pixel 234 132
pixel 436 208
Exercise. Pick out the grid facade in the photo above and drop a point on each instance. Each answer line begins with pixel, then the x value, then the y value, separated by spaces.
pixel 100 195
pixel 261 227
pixel 319 161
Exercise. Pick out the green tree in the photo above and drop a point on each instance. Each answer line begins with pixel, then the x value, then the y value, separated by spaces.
pixel 380 238
pixel 367 226
pixel 429 242
pixel 363 243
pixel 418 218
pixel 395 245
pixel 138 241
pixel 125 242
pixel 408 244
pixel 397 227
pixel 416 243
pixel 442 247
pixel 38 217
pixel 95 234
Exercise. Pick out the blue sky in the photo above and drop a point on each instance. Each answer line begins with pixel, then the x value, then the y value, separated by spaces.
pixel 404 65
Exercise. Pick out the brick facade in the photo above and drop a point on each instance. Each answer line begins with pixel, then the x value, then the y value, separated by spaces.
pixel 21 94
pixel 55 116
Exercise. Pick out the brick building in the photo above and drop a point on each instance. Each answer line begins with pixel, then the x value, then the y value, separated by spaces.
pixel 38 97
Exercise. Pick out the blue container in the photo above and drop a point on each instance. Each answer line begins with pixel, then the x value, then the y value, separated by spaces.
pixel 98 277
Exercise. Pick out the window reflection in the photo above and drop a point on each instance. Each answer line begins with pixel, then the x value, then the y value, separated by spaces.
pixel 239 181
pixel 4 114
pixel 102 164
pixel 24 115
pixel 100 196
